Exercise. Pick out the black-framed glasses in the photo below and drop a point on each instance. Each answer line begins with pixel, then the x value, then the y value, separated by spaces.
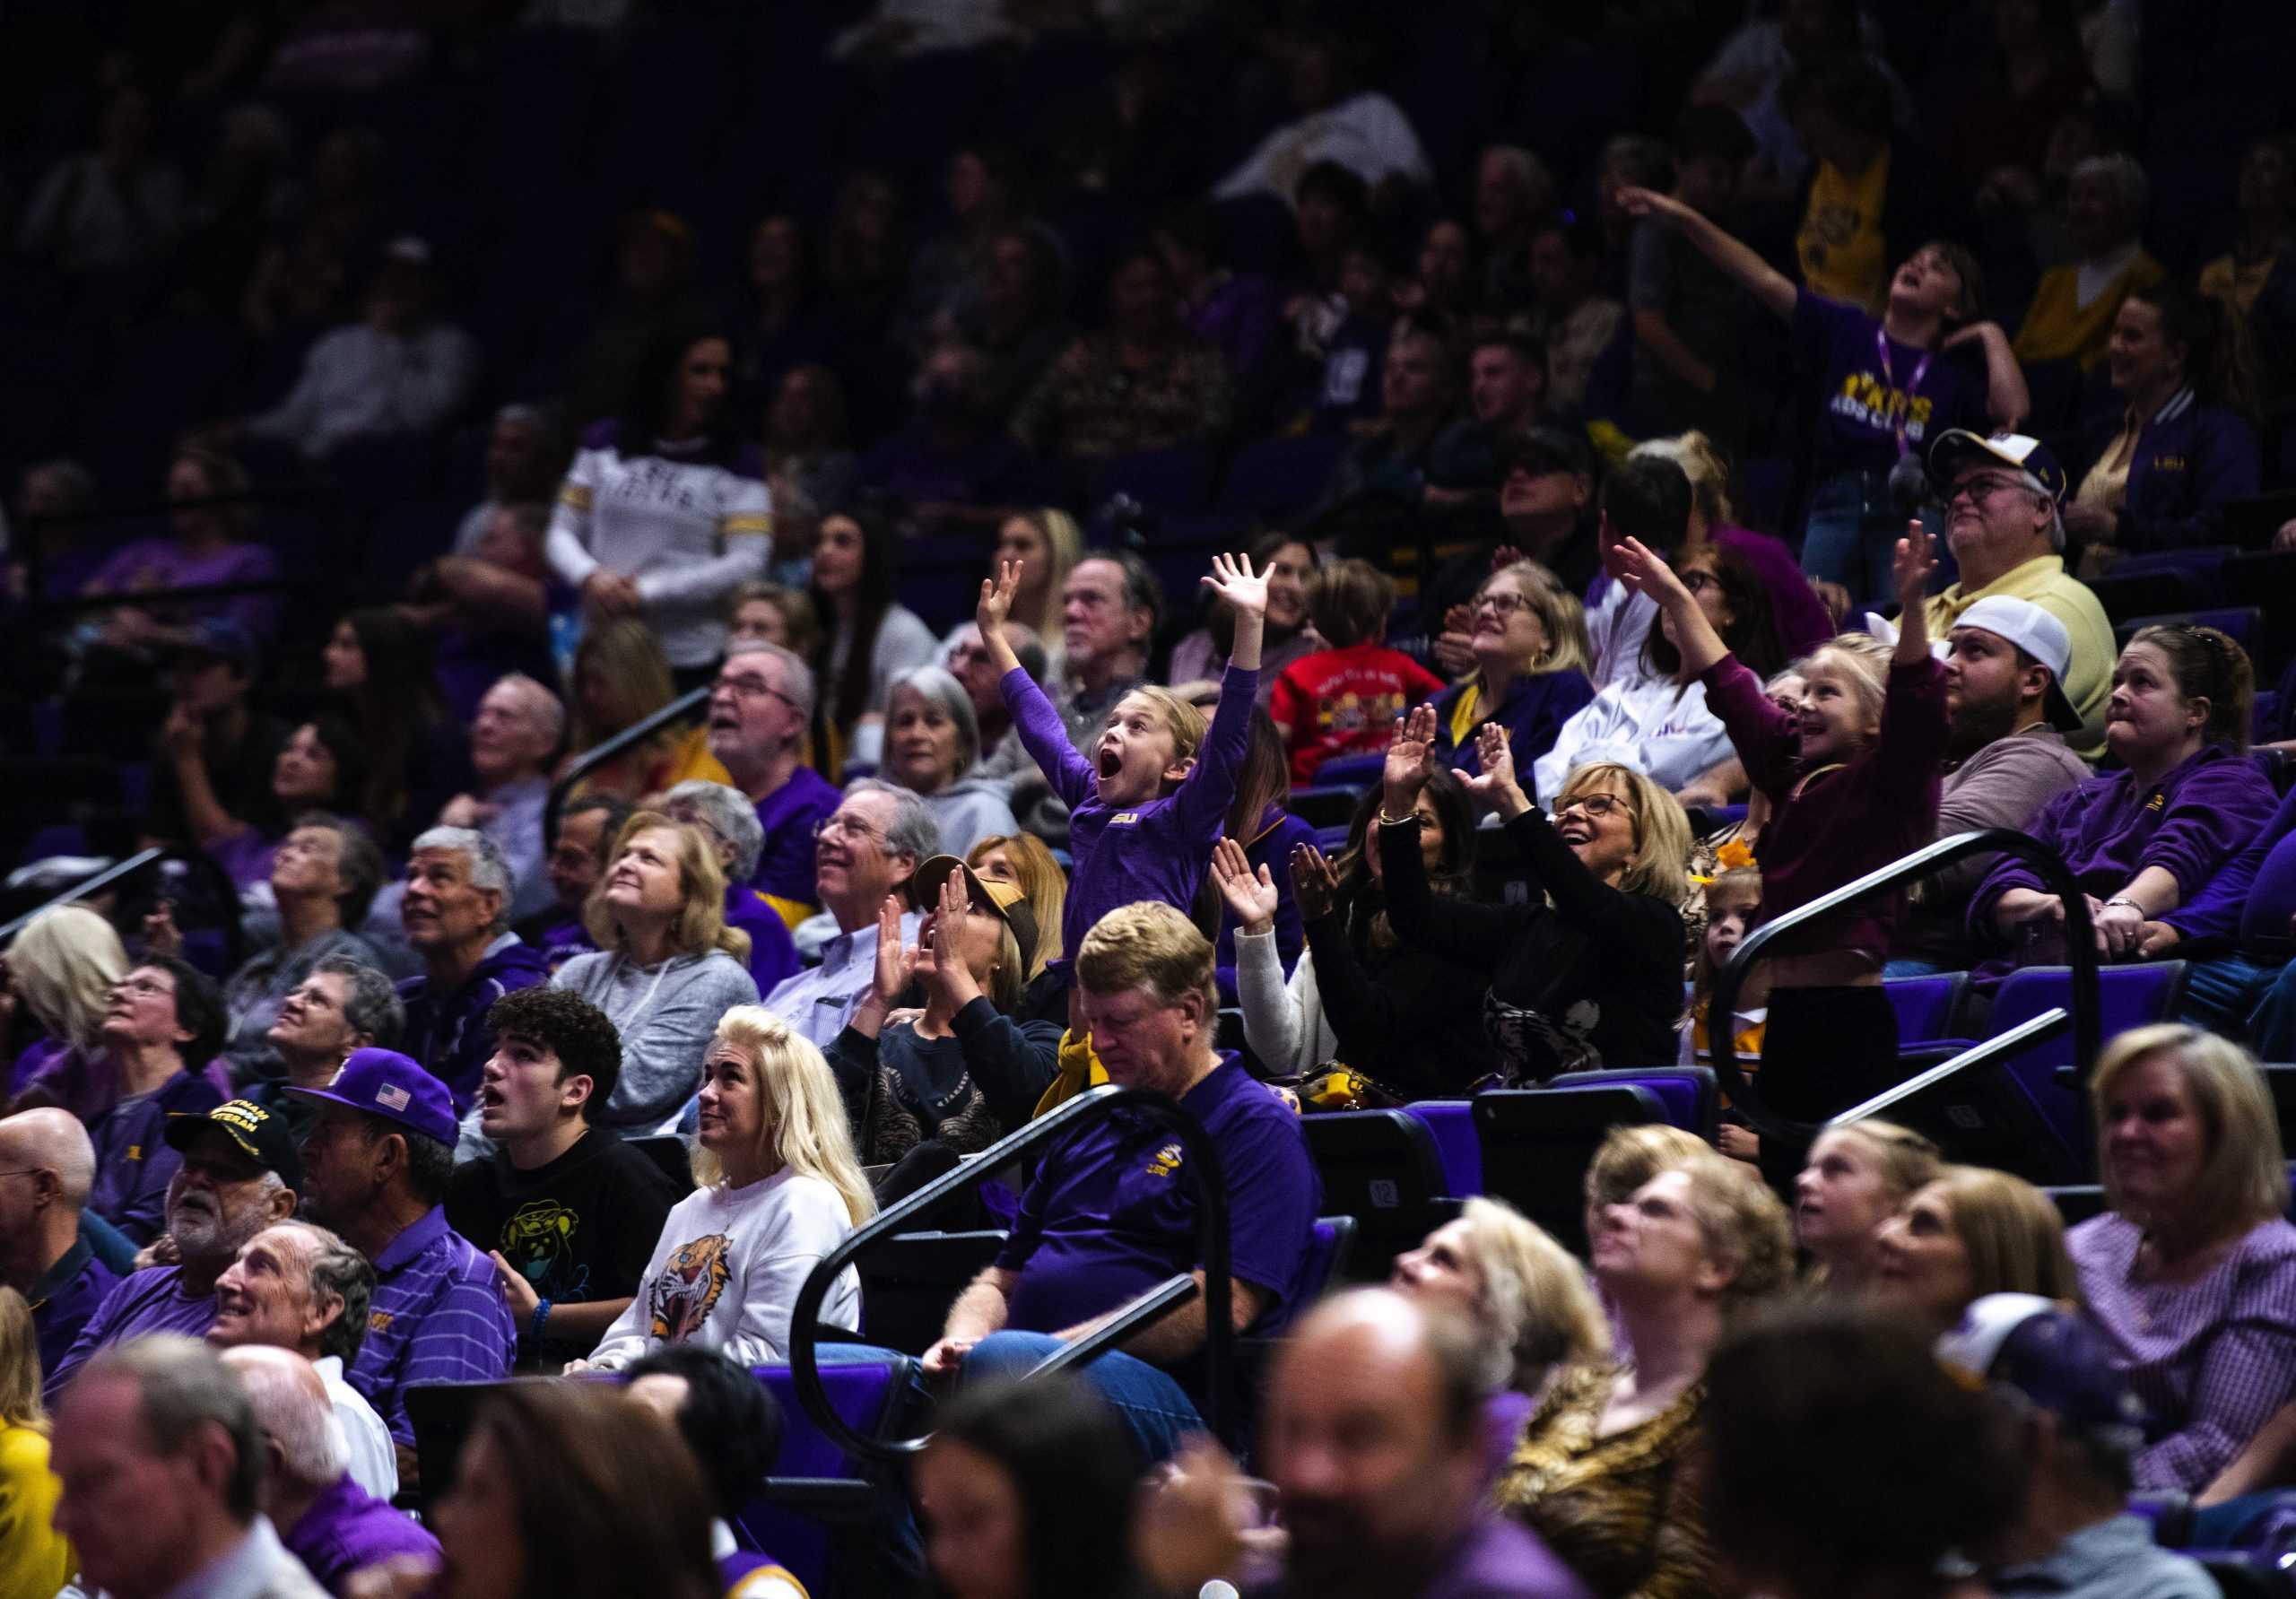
pixel 1505 605
pixel 1595 805
pixel 1980 489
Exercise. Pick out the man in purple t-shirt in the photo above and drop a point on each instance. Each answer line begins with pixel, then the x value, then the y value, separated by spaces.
pixel 323 1518
pixel 1112 1210
pixel 1404 1518
pixel 238 1175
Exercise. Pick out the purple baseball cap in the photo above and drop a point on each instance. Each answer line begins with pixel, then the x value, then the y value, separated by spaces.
pixel 392 1086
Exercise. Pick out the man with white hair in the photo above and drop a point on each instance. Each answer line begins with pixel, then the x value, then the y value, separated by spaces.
pixel 868 849
pixel 759 713
pixel 299 1287
pixel 517 729
pixel 455 910
pixel 160 1463
pixel 50 1164
pixel 725 817
pixel 2001 498
pixel 2070 318
pixel 323 1517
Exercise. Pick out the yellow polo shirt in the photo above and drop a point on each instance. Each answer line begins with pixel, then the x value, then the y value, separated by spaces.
pixel 2089 677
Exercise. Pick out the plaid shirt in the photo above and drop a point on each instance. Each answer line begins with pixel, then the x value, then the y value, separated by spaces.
pixel 437 1317
pixel 2211 1360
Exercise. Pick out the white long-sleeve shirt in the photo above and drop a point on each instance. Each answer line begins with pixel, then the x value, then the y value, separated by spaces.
pixel 688 527
pixel 726 1272
pixel 358 381
pixel 1654 726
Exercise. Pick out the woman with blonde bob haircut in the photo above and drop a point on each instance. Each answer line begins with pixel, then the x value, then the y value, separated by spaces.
pixel 1525 1294
pixel 1022 860
pixel 1969 1232
pixel 34 1558
pixel 65 964
pixel 2192 1272
pixel 779 1187
pixel 1532 663
pixel 666 967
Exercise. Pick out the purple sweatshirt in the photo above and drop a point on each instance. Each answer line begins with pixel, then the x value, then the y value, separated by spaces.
pixel 2189 823
pixel 447 1033
pixel 2254 895
pixel 1157 850
pixel 1832 825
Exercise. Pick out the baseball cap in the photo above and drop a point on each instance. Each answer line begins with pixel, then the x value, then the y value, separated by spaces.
pixel 2040 636
pixel 261 1136
pixel 1539 451
pixel 384 1082
pixel 2055 1360
pixel 1005 899
pixel 1957 448
pixel 219 638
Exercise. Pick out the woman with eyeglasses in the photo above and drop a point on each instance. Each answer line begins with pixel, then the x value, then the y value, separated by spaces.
pixel 2143 839
pixel 1594 977
pixel 667 966
pixel 1528 636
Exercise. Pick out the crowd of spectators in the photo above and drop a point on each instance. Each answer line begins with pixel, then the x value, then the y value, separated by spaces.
pixel 710 611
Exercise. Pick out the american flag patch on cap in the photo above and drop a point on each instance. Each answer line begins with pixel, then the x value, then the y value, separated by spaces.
pixel 391 1097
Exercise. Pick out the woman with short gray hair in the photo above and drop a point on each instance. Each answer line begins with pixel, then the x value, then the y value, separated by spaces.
pixel 726 819
pixel 932 745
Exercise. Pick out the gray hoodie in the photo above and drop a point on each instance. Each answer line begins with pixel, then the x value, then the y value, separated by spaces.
pixel 969 809
pixel 665 1016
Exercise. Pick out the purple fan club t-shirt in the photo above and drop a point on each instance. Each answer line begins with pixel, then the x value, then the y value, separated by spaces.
pixel 1111 1213
pixel 1864 394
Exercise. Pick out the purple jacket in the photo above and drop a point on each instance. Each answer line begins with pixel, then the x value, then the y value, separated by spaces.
pixel 2254 895
pixel 448 1034
pixel 2190 459
pixel 347 1529
pixel 1158 850
pixel 2189 823
pixel 773 953
pixel 1537 704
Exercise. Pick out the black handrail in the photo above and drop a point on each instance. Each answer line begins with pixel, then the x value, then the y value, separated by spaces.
pixel 2080 934
pixel 597 755
pixel 1201 1168
pixel 198 860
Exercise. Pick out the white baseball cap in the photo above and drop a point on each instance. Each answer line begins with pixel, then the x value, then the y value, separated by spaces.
pixel 2040 636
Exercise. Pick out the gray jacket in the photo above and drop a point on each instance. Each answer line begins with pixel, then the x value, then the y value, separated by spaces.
pixel 665 1016
pixel 969 809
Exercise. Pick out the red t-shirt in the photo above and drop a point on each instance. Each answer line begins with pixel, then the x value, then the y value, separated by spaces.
pixel 1345 702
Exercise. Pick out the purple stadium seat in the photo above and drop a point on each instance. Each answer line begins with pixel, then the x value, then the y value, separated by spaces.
pixel 1452 1122
pixel 1685 1094
pixel 1928 1008
pixel 1352 772
pixel 870 1392
pixel 2130 997
pixel 1383 1169
pixel 1282 477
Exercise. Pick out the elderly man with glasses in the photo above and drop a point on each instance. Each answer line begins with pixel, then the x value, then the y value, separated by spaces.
pixel 868 849
pixel 759 712
pixel 2004 529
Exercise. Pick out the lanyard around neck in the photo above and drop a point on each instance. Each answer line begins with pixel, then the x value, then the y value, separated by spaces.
pixel 1889 381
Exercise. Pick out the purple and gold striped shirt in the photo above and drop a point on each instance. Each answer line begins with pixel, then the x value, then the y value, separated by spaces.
pixel 437 1317
pixel 2211 1360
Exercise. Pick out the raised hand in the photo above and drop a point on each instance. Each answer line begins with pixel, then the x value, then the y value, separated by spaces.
pixel 996 599
pixel 1644 202
pixel 1315 881
pixel 894 963
pixel 1495 785
pixel 1642 570
pixel 1917 560
pixel 1231 577
pixel 951 978
pixel 1409 752
pixel 1251 895
pixel 161 936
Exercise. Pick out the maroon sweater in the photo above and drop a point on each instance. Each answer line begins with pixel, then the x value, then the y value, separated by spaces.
pixel 1835 825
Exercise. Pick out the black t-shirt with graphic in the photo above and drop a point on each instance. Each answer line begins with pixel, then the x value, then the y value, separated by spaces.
pixel 581 1227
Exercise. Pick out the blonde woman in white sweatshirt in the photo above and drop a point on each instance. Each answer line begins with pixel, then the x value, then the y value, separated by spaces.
pixel 779 1189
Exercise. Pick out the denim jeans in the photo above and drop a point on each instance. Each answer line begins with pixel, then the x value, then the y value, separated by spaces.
pixel 1851 536
pixel 2271 1026
pixel 2223 993
pixel 1155 1410
pixel 1903 968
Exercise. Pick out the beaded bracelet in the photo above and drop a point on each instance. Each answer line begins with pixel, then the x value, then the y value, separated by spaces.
pixel 538 1320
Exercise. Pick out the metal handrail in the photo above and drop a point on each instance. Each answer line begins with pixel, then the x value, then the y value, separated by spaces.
pixel 2080 934
pixel 597 755
pixel 2031 1030
pixel 1201 1167
pixel 198 860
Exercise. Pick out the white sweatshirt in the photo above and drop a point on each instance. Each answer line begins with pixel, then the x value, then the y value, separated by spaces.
pixel 726 1272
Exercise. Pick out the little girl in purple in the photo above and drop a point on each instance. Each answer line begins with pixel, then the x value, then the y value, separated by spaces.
pixel 1146 808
